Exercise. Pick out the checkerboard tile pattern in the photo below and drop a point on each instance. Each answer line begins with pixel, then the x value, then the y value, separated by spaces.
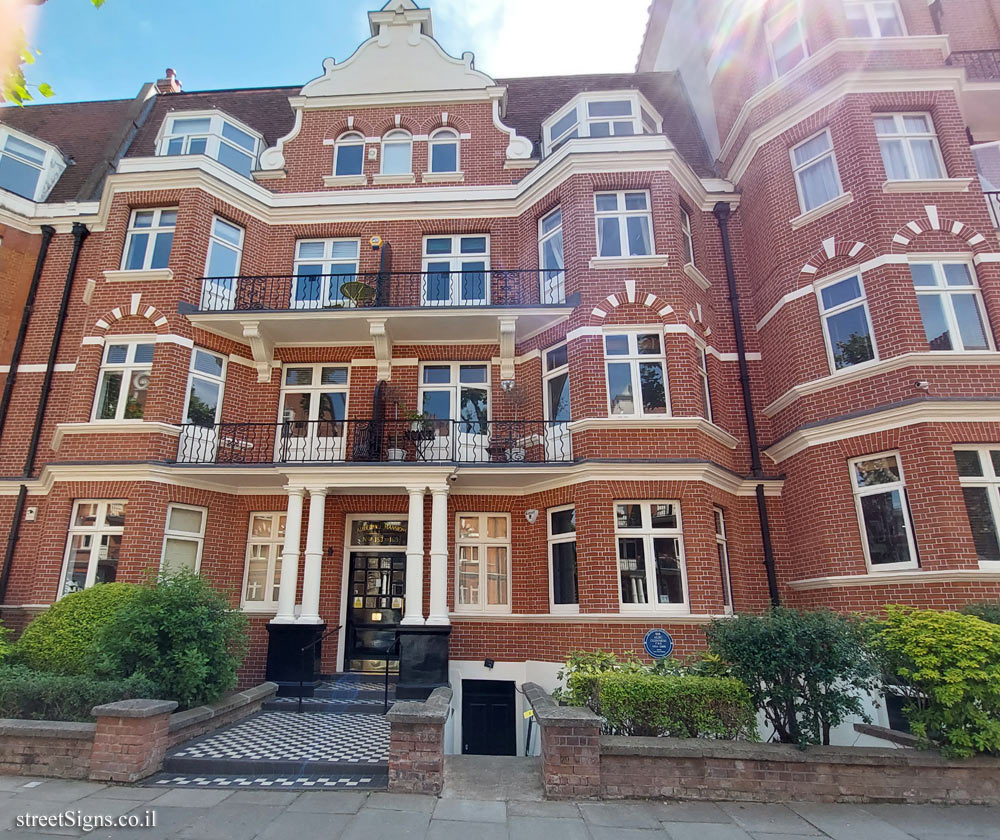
pixel 293 702
pixel 374 781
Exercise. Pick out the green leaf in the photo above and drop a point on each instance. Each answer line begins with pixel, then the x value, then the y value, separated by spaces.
pixel 46 90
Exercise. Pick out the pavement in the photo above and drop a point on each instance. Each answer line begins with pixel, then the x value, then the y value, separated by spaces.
pixel 226 814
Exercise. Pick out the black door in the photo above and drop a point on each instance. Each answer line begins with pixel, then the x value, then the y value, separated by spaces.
pixel 377 592
pixel 488 721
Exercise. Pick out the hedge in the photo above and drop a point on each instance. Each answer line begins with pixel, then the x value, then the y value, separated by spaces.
pixel 674 706
pixel 32 695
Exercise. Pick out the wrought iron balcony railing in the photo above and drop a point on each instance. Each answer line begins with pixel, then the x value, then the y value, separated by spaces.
pixel 980 65
pixel 494 287
pixel 993 202
pixel 345 441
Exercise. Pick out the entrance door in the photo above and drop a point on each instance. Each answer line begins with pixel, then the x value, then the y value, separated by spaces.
pixel 488 721
pixel 377 590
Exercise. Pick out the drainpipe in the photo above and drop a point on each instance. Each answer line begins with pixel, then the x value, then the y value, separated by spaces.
pixel 79 234
pixel 722 212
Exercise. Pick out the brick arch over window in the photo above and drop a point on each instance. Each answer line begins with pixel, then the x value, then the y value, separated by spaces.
pixel 405 124
pixel 340 128
pixel 933 221
pixel 456 122
pixel 663 310
pixel 833 249
pixel 134 309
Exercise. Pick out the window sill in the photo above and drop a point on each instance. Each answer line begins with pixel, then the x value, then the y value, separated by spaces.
pixel 700 280
pixel 841 200
pixel 648 261
pixel 150 275
pixel 443 178
pixel 118 427
pixel 656 422
pixel 936 185
pixel 382 180
pixel 345 180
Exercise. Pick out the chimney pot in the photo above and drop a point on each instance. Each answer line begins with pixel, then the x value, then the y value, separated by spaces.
pixel 170 83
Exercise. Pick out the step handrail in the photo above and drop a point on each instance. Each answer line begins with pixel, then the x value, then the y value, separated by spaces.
pixel 302 660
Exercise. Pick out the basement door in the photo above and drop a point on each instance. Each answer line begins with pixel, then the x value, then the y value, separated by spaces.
pixel 488 718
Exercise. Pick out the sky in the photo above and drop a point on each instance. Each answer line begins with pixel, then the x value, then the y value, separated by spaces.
pixel 108 53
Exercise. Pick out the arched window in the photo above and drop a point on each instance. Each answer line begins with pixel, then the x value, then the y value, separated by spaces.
pixel 443 150
pixel 349 156
pixel 397 153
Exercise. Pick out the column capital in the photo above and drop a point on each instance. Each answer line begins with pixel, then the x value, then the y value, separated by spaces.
pixel 439 489
pixel 296 491
pixel 413 491
pixel 317 491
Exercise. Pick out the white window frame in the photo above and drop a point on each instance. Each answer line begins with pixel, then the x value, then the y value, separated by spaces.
pixel 396 136
pixel 552 373
pixel 327 262
pixel 769 36
pixel 552 280
pixel 799 168
pixel 154 231
pixel 874 28
pixel 455 384
pixel 126 368
pixel 622 215
pixel 559 539
pixel 97 531
pixel 348 139
pixel 649 122
pixel 198 538
pixel 989 481
pixel 880 489
pixel 905 138
pixel 634 358
pixel 444 136
pixel 725 566
pixel 214 138
pixel 482 542
pixel 826 314
pixel 214 240
pixel 945 291
pixel 272 576
pixel 49 170
pixel 706 384
pixel 312 446
pixel 194 374
pixel 648 533
pixel 687 236
pixel 455 259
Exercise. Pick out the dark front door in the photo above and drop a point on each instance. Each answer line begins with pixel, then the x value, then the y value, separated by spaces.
pixel 375 607
pixel 488 721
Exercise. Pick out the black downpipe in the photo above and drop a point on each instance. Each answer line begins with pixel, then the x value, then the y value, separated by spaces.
pixel 722 212
pixel 79 234
pixel 29 305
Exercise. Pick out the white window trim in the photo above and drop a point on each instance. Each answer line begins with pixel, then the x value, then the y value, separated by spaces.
pixel 768 37
pixel 706 383
pixel 51 169
pixel 153 230
pixel 879 489
pixel 552 374
pixel 444 135
pixel 621 216
pixel 349 138
pixel 483 542
pixel 647 533
pixel 905 137
pixel 455 259
pixel 990 481
pixel 315 389
pixel 722 545
pixel 946 291
pixel 455 385
pixel 392 136
pixel 214 134
pixel 554 539
pixel 127 368
pixel 873 24
pixel 798 167
pixel 579 104
pixel 96 530
pixel 688 234
pixel 826 314
pixel 185 536
pixel 219 380
pixel 271 580
pixel 548 277
pixel 633 359
pixel 223 243
pixel 325 300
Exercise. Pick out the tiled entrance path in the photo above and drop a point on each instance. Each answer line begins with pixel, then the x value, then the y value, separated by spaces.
pixel 339 740
pixel 187 814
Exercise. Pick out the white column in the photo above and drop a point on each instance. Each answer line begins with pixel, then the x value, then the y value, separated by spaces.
pixel 289 580
pixel 414 603
pixel 439 557
pixel 314 558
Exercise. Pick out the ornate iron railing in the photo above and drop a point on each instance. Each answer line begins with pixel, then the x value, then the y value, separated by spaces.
pixel 980 65
pixel 327 441
pixel 311 292
pixel 993 202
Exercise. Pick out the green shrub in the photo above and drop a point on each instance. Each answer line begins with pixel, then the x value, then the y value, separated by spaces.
pixel 61 639
pixel 806 671
pixel 5 646
pixel 675 706
pixel 579 674
pixel 952 663
pixel 37 696
pixel 182 634
pixel 986 610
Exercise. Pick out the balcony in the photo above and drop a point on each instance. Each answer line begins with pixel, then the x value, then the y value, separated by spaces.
pixel 376 441
pixel 980 65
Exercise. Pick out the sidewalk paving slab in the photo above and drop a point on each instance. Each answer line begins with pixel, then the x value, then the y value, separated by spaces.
pixel 230 822
pixel 621 814
pixel 471 810
pixel 696 812
pixel 610 832
pixel 768 818
pixel 544 808
pixel 846 822
pixel 304 825
pixel 136 794
pixel 456 830
pixel 926 821
pixel 328 802
pixel 190 798
pixel 402 802
pixel 705 831
pixel 547 828
pixel 374 824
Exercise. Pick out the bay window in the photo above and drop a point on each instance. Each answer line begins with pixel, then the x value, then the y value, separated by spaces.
pixel 94 544
pixel 883 512
pixel 847 327
pixel 951 306
pixel 650 556
pixel 979 475
pixel 563 584
pixel 909 147
pixel 149 239
pixel 786 39
pixel 814 165
pixel 636 373
pixel 482 563
pixel 874 18
pixel 611 114
pixel 262 571
pixel 222 138
pixel 123 384
pixel 28 167
pixel 624 224
pixel 183 538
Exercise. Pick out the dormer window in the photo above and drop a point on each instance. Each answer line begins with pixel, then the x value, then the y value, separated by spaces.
pixel 211 133
pixel 397 153
pixel 443 150
pixel 28 167
pixel 349 157
pixel 613 114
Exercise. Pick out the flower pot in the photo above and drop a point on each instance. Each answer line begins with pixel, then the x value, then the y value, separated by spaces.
pixel 395 454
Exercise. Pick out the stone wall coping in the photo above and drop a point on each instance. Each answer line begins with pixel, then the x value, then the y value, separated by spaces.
pixel 134 708
pixel 236 700
pixel 433 710
pixel 550 713
pixel 16 728
pixel 748 751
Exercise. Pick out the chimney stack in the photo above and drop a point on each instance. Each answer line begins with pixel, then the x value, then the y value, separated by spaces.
pixel 171 84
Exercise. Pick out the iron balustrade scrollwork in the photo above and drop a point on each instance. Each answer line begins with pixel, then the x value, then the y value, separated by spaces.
pixel 980 65
pixel 470 441
pixel 397 289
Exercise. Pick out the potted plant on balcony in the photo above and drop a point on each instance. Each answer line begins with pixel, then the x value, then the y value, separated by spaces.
pixel 517 397
pixel 394 452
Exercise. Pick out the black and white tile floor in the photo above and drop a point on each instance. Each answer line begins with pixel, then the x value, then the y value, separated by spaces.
pixel 372 781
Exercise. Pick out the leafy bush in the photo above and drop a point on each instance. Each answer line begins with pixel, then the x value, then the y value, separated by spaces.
pixel 61 640
pixel 182 634
pixel 37 696
pixel 952 662
pixel 986 610
pixel 579 674
pixel 674 706
pixel 806 671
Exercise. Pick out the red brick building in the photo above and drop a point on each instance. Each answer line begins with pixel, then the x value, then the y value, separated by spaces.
pixel 518 366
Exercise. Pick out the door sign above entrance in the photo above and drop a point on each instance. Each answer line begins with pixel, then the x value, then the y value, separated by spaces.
pixel 658 643
pixel 379 532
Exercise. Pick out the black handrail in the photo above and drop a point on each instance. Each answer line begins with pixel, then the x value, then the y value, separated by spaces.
pixel 980 65
pixel 302 662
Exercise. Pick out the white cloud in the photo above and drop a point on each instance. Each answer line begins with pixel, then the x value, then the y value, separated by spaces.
pixel 543 37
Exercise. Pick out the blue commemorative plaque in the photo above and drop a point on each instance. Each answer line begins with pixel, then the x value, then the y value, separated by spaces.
pixel 658 643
